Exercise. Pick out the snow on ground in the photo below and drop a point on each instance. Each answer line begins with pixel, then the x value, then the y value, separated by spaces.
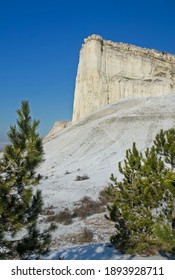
pixel 94 146
pixel 100 252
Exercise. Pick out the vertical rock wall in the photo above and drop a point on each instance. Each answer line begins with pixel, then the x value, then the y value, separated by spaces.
pixel 109 71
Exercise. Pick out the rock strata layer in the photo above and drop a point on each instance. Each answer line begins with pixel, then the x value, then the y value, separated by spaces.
pixel 110 71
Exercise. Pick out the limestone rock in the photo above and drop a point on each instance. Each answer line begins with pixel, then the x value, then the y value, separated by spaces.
pixel 109 71
pixel 58 126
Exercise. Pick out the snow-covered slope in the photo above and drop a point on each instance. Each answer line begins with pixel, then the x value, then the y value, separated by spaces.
pixel 94 146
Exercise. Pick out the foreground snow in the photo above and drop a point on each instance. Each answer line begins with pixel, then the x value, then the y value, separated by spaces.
pixel 99 252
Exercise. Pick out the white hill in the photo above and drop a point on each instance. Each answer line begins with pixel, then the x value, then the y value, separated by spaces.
pixel 94 146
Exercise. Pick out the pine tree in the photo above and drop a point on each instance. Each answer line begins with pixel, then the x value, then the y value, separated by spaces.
pixel 19 205
pixel 132 163
pixel 165 145
pixel 144 198
pixel 166 234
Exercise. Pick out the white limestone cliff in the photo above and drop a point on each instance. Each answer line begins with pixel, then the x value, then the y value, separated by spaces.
pixel 110 71
pixel 58 126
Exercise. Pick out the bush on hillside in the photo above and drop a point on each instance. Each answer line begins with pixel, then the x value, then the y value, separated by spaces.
pixel 143 202
pixel 82 178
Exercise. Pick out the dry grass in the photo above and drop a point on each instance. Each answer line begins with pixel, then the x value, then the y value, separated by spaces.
pixel 88 207
pixel 101 228
pixel 82 178
pixel 48 211
pixel 84 236
pixel 63 217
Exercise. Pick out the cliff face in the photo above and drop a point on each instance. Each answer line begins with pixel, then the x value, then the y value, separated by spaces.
pixel 109 71
pixel 58 126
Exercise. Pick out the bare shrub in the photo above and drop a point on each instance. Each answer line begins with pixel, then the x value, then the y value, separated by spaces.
pixel 47 212
pixel 64 217
pixel 81 178
pixel 67 172
pixel 86 236
pixel 88 207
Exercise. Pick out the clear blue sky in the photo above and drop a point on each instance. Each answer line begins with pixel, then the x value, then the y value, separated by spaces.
pixel 40 42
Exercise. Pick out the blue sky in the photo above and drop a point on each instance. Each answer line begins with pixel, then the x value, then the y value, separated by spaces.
pixel 40 42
